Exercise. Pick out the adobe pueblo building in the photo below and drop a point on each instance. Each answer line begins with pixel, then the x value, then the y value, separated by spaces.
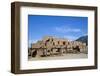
pixel 52 46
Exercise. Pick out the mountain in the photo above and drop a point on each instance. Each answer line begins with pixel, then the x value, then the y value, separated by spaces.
pixel 83 39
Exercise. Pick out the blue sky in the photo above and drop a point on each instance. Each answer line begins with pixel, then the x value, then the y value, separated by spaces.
pixel 69 27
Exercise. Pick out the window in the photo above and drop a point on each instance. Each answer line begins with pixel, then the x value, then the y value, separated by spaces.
pixel 58 42
pixel 53 43
pixel 64 43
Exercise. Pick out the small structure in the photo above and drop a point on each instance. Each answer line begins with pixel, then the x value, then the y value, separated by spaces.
pixel 51 46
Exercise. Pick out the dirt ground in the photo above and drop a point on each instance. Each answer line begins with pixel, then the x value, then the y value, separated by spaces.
pixel 66 56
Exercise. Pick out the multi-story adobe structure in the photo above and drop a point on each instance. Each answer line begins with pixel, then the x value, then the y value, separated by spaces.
pixel 52 46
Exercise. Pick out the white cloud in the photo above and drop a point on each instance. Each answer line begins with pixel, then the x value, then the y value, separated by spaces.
pixel 32 41
pixel 85 34
pixel 70 37
pixel 67 29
